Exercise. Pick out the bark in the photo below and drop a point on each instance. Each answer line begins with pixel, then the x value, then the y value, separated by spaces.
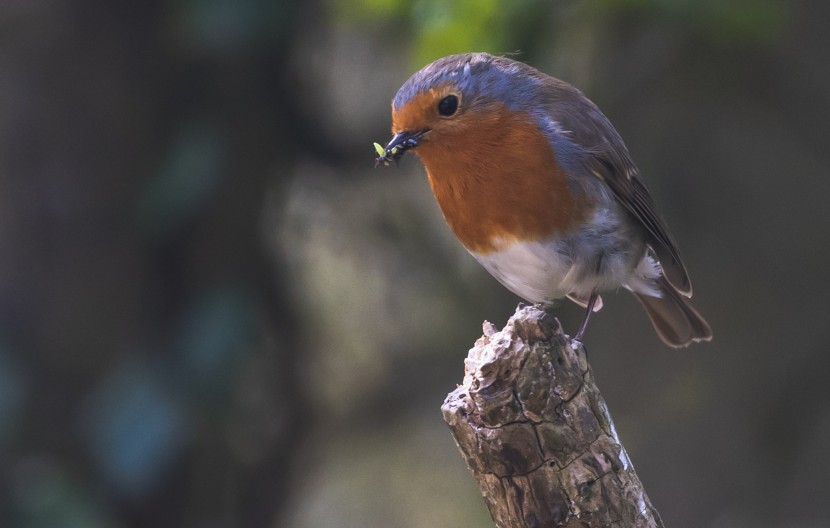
pixel 536 433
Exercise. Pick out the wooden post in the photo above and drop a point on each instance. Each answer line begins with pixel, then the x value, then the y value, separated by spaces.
pixel 537 435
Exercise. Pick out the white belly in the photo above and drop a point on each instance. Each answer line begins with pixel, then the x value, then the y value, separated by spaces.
pixel 604 255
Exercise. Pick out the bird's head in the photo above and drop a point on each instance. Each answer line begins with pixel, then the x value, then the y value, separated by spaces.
pixel 442 105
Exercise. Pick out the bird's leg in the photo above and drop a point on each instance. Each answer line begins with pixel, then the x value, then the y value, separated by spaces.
pixel 590 309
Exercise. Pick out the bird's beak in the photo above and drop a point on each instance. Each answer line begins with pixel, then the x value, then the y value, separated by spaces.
pixel 399 144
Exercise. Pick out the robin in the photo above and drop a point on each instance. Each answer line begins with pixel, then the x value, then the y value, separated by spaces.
pixel 538 186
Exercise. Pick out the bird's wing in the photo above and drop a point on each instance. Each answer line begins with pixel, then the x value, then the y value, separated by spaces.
pixel 585 125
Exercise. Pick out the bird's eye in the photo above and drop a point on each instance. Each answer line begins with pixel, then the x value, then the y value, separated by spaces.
pixel 448 105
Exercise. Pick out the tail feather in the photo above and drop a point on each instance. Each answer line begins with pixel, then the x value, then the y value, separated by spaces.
pixel 675 320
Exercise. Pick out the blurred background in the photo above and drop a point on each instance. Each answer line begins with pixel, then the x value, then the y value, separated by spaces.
pixel 215 312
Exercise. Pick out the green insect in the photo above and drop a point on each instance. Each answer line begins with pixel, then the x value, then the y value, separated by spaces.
pixel 383 156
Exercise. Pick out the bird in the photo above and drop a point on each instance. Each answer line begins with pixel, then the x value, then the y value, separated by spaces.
pixel 539 187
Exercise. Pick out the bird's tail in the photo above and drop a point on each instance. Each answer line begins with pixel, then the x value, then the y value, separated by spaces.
pixel 677 323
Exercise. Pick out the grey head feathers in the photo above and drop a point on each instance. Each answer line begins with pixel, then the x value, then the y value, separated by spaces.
pixel 481 78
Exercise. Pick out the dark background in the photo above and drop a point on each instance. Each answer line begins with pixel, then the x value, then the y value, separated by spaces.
pixel 214 312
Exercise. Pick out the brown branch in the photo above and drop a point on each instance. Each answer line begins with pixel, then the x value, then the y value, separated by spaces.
pixel 536 433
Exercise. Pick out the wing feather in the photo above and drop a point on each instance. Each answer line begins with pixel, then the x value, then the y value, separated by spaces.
pixel 586 126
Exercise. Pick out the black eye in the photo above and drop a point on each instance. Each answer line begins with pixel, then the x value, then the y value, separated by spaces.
pixel 448 105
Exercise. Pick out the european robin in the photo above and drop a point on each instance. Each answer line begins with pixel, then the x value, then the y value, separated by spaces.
pixel 538 186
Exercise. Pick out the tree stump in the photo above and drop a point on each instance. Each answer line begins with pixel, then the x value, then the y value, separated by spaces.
pixel 536 433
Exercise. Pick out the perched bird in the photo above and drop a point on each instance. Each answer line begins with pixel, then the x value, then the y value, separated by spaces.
pixel 538 186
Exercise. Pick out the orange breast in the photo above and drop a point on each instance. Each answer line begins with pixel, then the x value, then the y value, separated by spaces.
pixel 498 181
